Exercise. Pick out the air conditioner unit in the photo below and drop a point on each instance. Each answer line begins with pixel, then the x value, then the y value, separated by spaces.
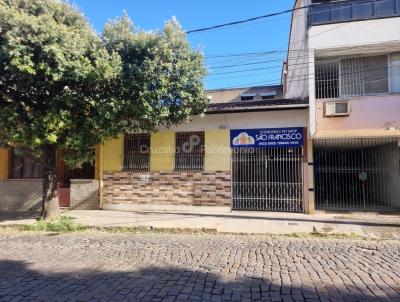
pixel 338 108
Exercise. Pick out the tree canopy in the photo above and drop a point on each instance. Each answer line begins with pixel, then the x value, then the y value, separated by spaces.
pixel 63 86
pixel 161 81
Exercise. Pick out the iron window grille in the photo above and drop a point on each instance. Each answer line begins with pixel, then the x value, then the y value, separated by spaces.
pixel 327 80
pixel 137 152
pixel 189 151
pixel 66 173
pixel 357 76
pixel 86 171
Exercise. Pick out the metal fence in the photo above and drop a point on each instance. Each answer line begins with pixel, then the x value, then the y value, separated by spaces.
pixel 359 174
pixel 137 152
pixel 267 179
pixel 86 171
pixel 189 151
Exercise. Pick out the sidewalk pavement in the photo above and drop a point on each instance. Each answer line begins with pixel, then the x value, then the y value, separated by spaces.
pixel 222 219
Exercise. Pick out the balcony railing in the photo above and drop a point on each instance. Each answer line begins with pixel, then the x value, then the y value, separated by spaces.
pixel 343 11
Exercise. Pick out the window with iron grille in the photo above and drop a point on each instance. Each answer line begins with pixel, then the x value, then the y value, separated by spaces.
pixel 137 152
pixel 189 151
pixel 364 76
pixel 350 77
pixel 327 80
pixel 25 166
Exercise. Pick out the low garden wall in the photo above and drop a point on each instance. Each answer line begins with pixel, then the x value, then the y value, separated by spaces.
pixel 84 194
pixel 20 196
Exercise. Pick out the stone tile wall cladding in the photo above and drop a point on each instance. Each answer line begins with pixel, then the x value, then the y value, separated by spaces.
pixel 175 188
pixel 84 194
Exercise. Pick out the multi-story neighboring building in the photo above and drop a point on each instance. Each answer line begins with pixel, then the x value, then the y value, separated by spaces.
pixel 344 58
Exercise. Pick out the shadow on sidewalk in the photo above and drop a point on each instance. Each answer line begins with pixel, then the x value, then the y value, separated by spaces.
pixel 16 216
pixel 18 281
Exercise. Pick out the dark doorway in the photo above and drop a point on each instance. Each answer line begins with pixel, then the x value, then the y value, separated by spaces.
pixel 356 174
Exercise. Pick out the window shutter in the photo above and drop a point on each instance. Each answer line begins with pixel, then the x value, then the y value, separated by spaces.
pixel 376 74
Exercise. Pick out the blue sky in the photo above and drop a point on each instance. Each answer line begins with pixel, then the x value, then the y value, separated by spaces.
pixel 259 36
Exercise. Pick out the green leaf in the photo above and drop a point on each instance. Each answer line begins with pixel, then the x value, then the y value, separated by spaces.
pixel 51 138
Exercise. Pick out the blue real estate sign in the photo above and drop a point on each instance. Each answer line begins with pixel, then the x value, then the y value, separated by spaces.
pixel 267 138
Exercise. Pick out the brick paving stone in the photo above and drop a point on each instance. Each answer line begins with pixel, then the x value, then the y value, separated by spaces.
pixel 98 266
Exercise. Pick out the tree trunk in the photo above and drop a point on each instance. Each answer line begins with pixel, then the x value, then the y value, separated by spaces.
pixel 50 206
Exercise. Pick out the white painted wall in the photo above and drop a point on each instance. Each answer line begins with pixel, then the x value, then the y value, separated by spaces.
pixel 311 92
pixel 366 33
pixel 246 120
pixel 297 59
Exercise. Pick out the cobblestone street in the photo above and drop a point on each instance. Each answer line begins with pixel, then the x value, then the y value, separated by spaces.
pixel 160 267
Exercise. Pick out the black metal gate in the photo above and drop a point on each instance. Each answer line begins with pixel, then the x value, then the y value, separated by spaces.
pixel 267 179
pixel 356 174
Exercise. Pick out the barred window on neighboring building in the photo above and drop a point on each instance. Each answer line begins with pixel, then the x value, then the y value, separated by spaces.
pixel 357 76
pixel 137 152
pixel 189 151
pixel 364 76
pixel 25 166
pixel 327 80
